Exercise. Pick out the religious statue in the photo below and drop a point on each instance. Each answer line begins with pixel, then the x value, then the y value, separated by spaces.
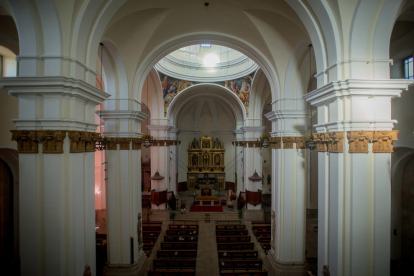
pixel 206 160
pixel 139 231
pixel 87 271
pixel 229 193
pixel 206 143
pixel 194 144
pixel 217 144
pixel 325 270
pixel 217 160
pixel 268 179
pixel 195 160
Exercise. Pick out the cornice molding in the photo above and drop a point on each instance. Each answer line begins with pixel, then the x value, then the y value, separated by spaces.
pixel 287 114
pixel 122 114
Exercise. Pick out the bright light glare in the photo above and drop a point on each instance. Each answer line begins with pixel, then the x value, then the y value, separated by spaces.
pixel 211 59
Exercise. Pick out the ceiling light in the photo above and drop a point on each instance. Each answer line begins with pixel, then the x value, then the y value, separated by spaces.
pixel 211 59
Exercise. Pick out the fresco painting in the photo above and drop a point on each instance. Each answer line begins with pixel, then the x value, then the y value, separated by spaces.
pixel 241 87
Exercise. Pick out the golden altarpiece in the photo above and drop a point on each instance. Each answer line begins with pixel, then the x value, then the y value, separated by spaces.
pixel 206 163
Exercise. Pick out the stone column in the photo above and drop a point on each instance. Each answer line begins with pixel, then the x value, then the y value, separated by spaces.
pixel 355 144
pixel 56 145
pixel 289 190
pixel 123 192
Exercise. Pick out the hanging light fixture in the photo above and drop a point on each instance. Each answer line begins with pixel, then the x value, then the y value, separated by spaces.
pixel 157 176
pixel 147 140
pixel 102 141
pixel 265 141
pixel 310 142
pixel 255 177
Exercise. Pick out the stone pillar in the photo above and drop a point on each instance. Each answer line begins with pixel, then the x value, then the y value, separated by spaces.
pixel 173 166
pixel 56 144
pixel 355 144
pixel 289 191
pixel 123 192
pixel 239 166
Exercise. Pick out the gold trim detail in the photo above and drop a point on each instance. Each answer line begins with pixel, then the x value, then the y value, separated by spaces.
pixel 136 143
pixel 26 141
pixel 358 141
pixel 288 142
pixel 300 142
pixel 321 142
pixel 52 140
pixel 382 141
pixel 335 141
pixel 90 143
pixel 124 143
pixel 276 142
pixel 77 141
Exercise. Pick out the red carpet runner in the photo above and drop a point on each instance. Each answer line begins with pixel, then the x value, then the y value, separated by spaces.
pixel 206 209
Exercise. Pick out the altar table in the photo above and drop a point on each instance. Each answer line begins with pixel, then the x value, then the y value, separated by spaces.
pixel 207 200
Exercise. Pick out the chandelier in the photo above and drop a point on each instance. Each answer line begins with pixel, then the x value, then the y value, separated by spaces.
pixel 147 140
pixel 265 141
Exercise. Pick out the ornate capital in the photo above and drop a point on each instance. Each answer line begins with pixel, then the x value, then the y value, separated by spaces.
pixel 77 141
pixel 112 144
pixel 288 142
pixel 52 140
pixel 124 143
pixel 275 142
pixel 26 141
pixel 136 143
pixel 300 142
pixel 358 141
pixel 90 142
pixel 321 141
pixel 335 141
pixel 382 141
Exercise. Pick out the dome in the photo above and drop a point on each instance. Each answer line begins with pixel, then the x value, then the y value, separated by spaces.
pixel 206 63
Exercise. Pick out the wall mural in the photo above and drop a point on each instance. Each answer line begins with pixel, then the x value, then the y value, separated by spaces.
pixel 171 87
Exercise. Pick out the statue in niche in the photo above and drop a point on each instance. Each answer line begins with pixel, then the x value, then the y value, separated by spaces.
pixel 206 160
pixel 87 271
pixel 268 179
pixel 195 160
pixel 217 160
pixel 217 144
pixel 139 231
pixel 194 144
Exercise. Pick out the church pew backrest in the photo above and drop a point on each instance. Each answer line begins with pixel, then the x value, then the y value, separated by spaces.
pixel 181 238
pixel 231 232
pixel 152 222
pixel 171 273
pixel 261 222
pixel 261 228
pixel 241 265
pixel 151 233
pixel 151 228
pixel 238 255
pixel 231 227
pixel 178 245
pixel 174 264
pixel 150 239
pixel 176 254
pixel 244 273
pixel 182 232
pixel 227 239
pixel 184 227
pixel 236 246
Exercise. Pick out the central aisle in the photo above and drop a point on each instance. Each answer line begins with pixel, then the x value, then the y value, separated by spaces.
pixel 207 257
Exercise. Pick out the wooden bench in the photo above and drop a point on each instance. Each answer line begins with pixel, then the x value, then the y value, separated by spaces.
pixel 176 254
pixel 182 232
pixel 261 228
pixel 184 221
pixel 150 239
pixel 231 232
pixel 184 226
pixel 262 233
pixel 236 246
pixel 226 239
pixel 151 223
pixel 189 264
pixel 244 273
pixel 266 246
pixel 151 228
pixel 150 233
pixel 264 239
pixel 171 273
pixel 238 255
pixel 241 265
pixel 232 221
pixel 261 222
pixel 181 238
pixel 178 245
pixel 231 227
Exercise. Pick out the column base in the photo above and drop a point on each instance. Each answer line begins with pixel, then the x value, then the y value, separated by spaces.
pixel 250 215
pixel 276 268
pixel 139 268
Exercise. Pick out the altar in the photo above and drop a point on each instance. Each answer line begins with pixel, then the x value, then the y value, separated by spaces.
pixel 206 200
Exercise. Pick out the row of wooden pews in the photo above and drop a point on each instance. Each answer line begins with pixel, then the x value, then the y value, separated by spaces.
pixel 150 232
pixel 178 252
pixel 236 252
pixel 262 231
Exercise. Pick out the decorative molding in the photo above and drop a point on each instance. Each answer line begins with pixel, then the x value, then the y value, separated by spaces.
pixel 382 141
pixel 77 141
pixel 90 143
pixel 358 141
pixel 335 141
pixel 288 142
pixel 124 143
pixel 300 142
pixel 26 141
pixel 136 143
pixel 321 141
pixel 112 145
pixel 275 142
pixel 52 140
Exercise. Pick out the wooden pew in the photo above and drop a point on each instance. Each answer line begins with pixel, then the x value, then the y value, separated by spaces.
pixel 261 228
pixel 151 228
pixel 184 221
pixel 182 232
pixel 176 254
pixel 244 273
pixel 150 239
pixel 189 264
pixel 171 273
pixel 263 239
pixel 262 233
pixel 150 233
pixel 261 222
pixel 266 246
pixel 241 265
pixel 178 245
pixel 152 223
pixel 231 232
pixel 231 227
pixel 233 221
pixel 236 246
pixel 181 238
pixel 238 255
pixel 184 227
pixel 226 239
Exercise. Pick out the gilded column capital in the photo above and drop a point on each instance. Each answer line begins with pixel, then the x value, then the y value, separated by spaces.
pixel 112 144
pixel 52 140
pixel 26 141
pixel 275 142
pixel 77 141
pixel 90 142
pixel 321 141
pixel 382 141
pixel 300 142
pixel 124 143
pixel 335 141
pixel 358 141
pixel 288 142
pixel 136 143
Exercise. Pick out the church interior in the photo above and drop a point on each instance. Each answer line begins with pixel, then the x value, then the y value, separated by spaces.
pixel 189 137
